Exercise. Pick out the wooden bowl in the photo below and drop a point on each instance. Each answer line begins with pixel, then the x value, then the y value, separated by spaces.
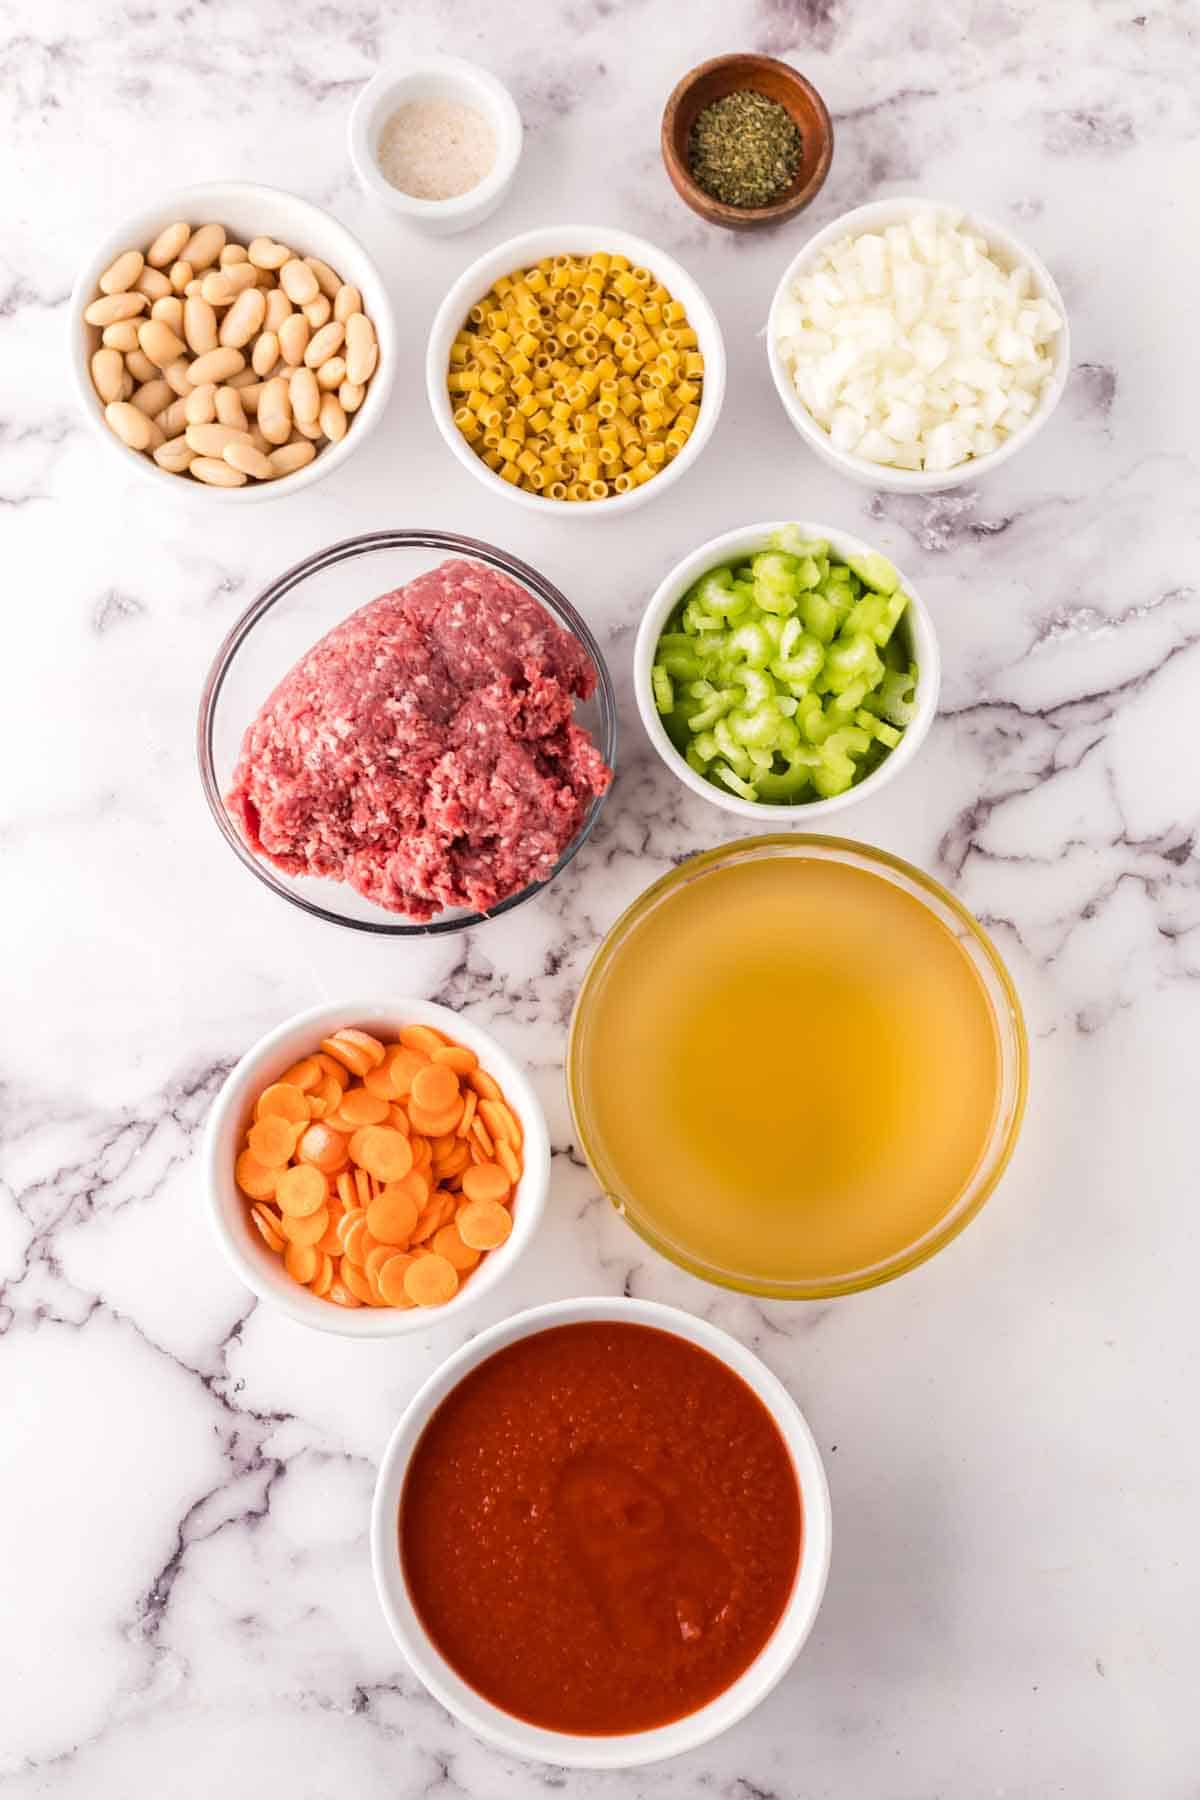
pixel 711 81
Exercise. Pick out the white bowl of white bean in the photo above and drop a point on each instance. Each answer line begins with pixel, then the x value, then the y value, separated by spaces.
pixel 234 336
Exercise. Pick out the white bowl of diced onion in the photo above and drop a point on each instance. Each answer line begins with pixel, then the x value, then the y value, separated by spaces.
pixel 915 345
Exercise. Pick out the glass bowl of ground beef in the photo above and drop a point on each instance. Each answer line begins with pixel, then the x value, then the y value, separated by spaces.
pixel 408 733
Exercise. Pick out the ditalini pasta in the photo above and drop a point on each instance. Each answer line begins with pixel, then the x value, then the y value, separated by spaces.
pixel 576 379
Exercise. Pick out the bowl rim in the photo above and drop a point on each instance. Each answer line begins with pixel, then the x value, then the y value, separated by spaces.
pixel 1011 1032
pixel 175 203
pixel 719 212
pixel 258 1269
pixel 471 76
pixel 631 1749
pixel 925 649
pixel 881 475
pixel 346 549
pixel 515 252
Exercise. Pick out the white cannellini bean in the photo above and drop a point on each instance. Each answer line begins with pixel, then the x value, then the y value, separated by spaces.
pixel 279 308
pixel 216 472
pixel 298 282
pixel 309 428
pixel 210 440
pixel 122 273
pixel 249 459
pixel 243 379
pixel 244 317
pixel 131 426
pixel 201 404
pixel 217 365
pixel 305 397
pixel 293 338
pixel 241 276
pixel 328 280
pixel 172 420
pixel 332 418
pixel 181 273
pixel 153 396
pixel 351 395
pixel 217 288
pixel 346 301
pixel 265 354
pixel 275 411
pixel 108 374
pixel 360 343
pixel 204 246
pixel 170 310
pixel 264 253
pixel 159 342
pixel 199 325
pixel 111 307
pixel 233 253
pixel 230 410
pixel 290 457
pixel 332 373
pixel 140 366
pixel 122 336
pixel 168 245
pixel 175 455
pixel 177 374
pixel 318 312
pixel 153 283
pixel 324 343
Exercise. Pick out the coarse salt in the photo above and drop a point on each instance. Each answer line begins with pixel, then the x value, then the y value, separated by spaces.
pixel 436 149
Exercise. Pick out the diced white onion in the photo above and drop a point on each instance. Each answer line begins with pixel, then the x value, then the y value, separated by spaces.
pixel 913 347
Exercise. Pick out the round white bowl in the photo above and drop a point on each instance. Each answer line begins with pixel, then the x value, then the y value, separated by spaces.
pixel 576 240
pixel 246 210
pixel 1006 250
pixel 260 1268
pixel 630 1749
pixel 747 541
pixel 436 78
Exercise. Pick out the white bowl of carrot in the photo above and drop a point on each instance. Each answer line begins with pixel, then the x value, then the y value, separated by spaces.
pixel 373 1170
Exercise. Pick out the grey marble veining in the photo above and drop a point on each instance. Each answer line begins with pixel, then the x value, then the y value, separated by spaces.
pixel 185 1600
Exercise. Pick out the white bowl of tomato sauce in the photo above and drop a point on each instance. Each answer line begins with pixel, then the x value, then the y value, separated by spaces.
pixel 601 1533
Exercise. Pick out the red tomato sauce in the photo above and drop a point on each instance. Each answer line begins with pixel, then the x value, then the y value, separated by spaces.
pixel 600 1527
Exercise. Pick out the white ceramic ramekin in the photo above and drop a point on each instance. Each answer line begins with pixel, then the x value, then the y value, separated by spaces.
pixel 1008 251
pixel 574 240
pixel 747 541
pixel 246 210
pixel 261 1270
pixel 436 78
pixel 627 1750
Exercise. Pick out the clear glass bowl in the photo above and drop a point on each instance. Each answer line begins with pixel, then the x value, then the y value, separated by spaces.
pixel 1012 1080
pixel 285 621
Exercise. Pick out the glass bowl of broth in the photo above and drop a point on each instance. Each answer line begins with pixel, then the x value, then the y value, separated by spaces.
pixel 797 1066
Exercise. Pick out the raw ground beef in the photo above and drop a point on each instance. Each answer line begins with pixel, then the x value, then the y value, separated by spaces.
pixel 425 749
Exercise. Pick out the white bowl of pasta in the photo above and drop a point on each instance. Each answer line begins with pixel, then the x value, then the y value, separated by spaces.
pixel 576 364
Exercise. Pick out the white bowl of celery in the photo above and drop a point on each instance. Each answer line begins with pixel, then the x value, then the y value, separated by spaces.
pixel 786 670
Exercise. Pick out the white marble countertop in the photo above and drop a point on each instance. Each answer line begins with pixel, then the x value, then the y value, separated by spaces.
pixel 186 1605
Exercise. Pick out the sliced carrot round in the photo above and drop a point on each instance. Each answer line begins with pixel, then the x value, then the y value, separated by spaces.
pixel 392 1214
pixel 301 1262
pixel 375 1260
pixel 322 1281
pixel 483 1224
pixel 356 1280
pixel 340 1294
pixel 284 1102
pixel 470 1102
pixel 484 1086
pixel 486 1181
pixel 354 1057
pixel 348 1219
pixel 481 1136
pixel 448 1243
pixel 305 1074
pixel 272 1140
pixel 509 1161
pixel 323 1147
pixel 430 1281
pixel 253 1177
pixel 435 1088
pixel 308 1230
pixel 500 1122
pixel 456 1057
pixel 359 1107
pixel 379 1082
pixel 383 1152
pixel 421 1037
pixel 434 1125
pixel 331 1243
pixel 354 1248
pixel 404 1065
pixel 391 1278
pixel 268 1222
pixel 302 1191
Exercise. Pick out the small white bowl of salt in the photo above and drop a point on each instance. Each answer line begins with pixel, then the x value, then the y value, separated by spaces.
pixel 437 140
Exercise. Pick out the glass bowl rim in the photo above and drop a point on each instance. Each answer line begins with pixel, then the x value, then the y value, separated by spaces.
pixel 1013 1054
pixel 346 549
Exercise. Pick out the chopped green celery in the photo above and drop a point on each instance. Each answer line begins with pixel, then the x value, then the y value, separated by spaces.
pixel 705 747
pixel 664 689
pixel 849 660
pixel 724 774
pixel 865 617
pixel 810 719
pixel 819 615
pixel 804 661
pixel 789 541
pixel 759 687
pixel 775 582
pixel 846 704
pixel 896 699
pixel 833 777
pixel 778 787
pixel 752 644
pixel 696 619
pixel 760 728
pixel 875 571
pixel 883 733
pixel 714 709
pixel 808 573
pixel 733 752
pixel 681 665
pixel 789 635
pixel 787 704
pixel 848 740
pixel 721 599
